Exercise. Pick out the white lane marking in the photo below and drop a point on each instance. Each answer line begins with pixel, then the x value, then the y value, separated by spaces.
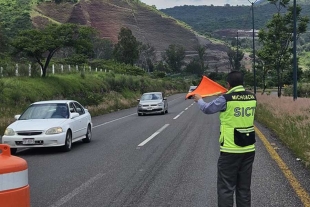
pixel 153 135
pixel 126 116
pixel 76 191
pixel 178 115
pixel 189 106
pixel 113 120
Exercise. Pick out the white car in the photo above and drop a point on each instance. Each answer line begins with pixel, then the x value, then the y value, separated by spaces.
pixel 192 88
pixel 151 103
pixel 56 123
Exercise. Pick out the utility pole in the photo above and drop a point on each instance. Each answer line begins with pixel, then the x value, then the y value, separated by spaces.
pixel 237 45
pixel 295 55
pixel 254 72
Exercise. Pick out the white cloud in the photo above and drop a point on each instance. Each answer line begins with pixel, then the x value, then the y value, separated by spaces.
pixel 162 4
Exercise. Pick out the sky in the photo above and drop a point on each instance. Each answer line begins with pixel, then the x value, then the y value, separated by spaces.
pixel 163 4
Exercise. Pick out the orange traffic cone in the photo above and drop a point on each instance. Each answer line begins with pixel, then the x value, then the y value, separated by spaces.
pixel 14 187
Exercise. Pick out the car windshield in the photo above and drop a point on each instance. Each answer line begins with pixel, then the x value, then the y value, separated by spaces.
pixel 192 88
pixel 46 111
pixel 151 96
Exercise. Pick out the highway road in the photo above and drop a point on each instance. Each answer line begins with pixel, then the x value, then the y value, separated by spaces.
pixel 158 161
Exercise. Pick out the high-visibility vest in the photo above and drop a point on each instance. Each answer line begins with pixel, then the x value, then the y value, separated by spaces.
pixel 237 121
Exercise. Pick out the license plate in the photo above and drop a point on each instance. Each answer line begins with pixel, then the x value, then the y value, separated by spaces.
pixel 150 108
pixel 28 141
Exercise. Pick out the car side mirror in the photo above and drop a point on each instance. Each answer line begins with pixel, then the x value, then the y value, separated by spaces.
pixel 17 116
pixel 74 115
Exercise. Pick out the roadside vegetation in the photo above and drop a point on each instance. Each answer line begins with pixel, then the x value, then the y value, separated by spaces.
pixel 100 92
pixel 289 120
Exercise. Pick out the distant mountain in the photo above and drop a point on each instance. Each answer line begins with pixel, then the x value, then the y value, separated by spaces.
pixel 207 19
pixel 301 2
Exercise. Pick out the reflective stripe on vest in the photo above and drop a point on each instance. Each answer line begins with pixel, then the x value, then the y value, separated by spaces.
pixel 237 150
pixel 14 180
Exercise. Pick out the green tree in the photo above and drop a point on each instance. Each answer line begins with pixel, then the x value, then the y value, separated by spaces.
pixel 127 48
pixel 147 57
pixel 160 66
pixel 15 16
pixel 248 79
pixel 42 44
pixel 103 49
pixel 201 50
pixel 194 67
pixel 264 66
pixel 3 42
pixel 277 39
pixel 174 57
pixel 235 58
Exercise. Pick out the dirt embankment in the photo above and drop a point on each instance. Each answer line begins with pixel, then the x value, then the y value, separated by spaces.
pixel 148 26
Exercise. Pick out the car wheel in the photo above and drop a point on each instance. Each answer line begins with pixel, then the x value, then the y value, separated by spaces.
pixel 68 142
pixel 13 151
pixel 88 135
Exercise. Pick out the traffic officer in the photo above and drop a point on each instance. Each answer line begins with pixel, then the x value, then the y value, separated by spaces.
pixel 237 138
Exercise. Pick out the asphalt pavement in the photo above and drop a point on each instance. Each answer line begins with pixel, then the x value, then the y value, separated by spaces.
pixel 158 160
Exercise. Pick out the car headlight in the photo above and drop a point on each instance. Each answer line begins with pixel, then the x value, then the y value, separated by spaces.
pixel 54 130
pixel 9 132
pixel 161 104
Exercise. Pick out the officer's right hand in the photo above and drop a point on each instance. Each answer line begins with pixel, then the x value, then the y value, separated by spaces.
pixel 197 97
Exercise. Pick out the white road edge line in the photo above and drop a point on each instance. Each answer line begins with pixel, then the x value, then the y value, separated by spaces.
pixel 153 135
pixel 178 115
pixel 76 191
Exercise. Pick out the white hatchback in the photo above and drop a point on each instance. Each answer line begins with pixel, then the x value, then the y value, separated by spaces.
pixel 56 123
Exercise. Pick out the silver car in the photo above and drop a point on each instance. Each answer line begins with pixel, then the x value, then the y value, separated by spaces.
pixel 152 103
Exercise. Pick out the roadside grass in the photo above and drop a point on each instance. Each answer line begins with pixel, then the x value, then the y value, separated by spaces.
pixel 101 93
pixel 289 120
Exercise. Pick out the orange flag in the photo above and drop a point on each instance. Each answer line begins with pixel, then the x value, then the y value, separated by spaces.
pixel 207 87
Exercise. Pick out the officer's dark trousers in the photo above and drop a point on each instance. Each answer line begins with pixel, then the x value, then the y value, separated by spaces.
pixel 234 175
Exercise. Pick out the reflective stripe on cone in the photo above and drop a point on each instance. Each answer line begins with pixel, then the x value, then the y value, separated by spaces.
pixel 14 188
pixel 14 180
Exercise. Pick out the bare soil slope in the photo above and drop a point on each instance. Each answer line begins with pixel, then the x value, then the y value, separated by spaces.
pixel 147 25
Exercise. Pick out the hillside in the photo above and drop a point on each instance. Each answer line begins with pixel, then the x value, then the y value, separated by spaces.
pixel 207 19
pixel 147 24
pixel 301 2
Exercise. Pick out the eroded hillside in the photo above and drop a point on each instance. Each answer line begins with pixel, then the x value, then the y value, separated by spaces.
pixel 147 24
